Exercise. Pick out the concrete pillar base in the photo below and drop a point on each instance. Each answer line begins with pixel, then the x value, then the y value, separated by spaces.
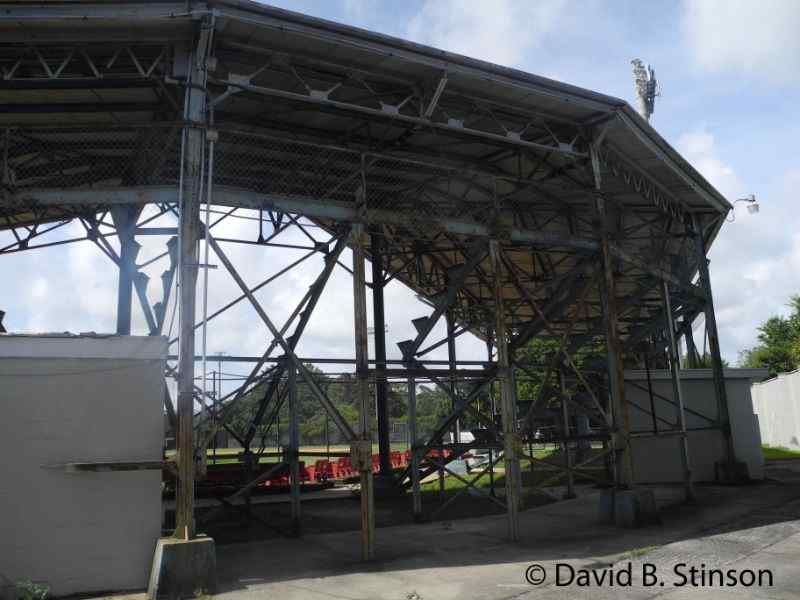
pixel 733 473
pixel 629 508
pixel 183 569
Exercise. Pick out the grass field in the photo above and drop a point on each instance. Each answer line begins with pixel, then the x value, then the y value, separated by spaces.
pixel 771 453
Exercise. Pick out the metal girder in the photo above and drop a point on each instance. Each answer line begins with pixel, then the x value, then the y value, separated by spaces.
pixel 341 423
pixel 457 276
pixel 309 207
pixel 450 126
pixel 315 292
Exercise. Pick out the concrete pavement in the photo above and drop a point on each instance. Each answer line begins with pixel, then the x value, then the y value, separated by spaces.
pixel 747 527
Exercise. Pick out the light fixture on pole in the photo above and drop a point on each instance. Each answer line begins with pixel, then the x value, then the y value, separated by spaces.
pixel 752 206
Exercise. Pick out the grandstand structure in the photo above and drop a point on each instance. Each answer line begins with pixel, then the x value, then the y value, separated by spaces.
pixel 519 208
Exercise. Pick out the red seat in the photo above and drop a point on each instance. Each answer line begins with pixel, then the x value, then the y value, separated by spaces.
pixel 345 467
pixel 323 470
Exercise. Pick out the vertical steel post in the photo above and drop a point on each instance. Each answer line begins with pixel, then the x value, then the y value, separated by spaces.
pixel 363 402
pixel 616 370
pixel 491 414
pixel 691 349
pixel 189 229
pixel 381 387
pixel 510 437
pixel 713 347
pixel 294 448
pixel 565 426
pixel 125 221
pixel 416 498
pixel 677 390
pixel 451 362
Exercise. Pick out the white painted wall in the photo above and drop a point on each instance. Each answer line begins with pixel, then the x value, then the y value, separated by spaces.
pixel 79 399
pixel 658 459
pixel 777 404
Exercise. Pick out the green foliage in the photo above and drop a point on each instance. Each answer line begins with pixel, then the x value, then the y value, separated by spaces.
pixel 703 363
pixel 537 354
pixel 779 343
pixel 773 453
pixel 28 590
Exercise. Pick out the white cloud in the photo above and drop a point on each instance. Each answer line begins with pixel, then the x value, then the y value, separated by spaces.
pixel 697 146
pixel 755 261
pixel 759 39
pixel 501 31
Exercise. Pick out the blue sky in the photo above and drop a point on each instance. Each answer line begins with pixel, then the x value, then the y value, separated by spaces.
pixel 730 75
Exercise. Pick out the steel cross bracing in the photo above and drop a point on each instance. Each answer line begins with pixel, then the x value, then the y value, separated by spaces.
pixel 521 210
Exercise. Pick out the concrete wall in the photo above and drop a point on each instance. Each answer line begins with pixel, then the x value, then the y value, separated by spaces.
pixel 657 459
pixel 79 399
pixel 777 404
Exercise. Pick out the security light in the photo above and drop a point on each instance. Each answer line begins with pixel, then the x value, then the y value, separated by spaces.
pixel 752 206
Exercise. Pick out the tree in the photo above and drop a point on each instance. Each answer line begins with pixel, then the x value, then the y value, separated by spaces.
pixel 779 343
pixel 703 363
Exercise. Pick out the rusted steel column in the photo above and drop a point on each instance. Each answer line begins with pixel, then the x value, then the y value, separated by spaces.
pixel 416 498
pixel 677 390
pixel 511 442
pixel 361 453
pixel 713 346
pixel 616 370
pixel 568 462
pixel 294 447
pixel 125 221
pixel 451 361
pixel 189 229
pixel 381 387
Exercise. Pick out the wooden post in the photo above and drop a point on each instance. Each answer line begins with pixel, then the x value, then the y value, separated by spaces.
pixel 507 409
pixel 363 445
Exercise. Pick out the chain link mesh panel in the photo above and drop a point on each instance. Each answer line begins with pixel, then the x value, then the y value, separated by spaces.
pixel 91 157
pixel 285 168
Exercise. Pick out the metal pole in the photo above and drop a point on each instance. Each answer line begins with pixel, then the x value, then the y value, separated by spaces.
pixel 327 436
pixel 381 391
pixel 294 448
pixel 650 390
pixel 416 506
pixel 189 229
pixel 677 388
pixel 691 349
pixel 491 417
pixel 565 444
pixel 214 411
pixel 616 373
pixel 510 436
pixel 125 222
pixel 714 349
pixel 451 360
pixel 363 445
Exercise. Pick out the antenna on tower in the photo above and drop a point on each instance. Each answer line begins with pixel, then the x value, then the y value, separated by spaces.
pixel 646 86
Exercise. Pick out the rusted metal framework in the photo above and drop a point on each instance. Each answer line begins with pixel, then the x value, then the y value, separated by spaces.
pixel 518 207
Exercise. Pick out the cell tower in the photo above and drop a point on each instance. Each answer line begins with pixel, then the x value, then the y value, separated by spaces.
pixel 646 87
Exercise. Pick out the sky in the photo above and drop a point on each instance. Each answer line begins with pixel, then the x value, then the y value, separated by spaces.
pixel 730 80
